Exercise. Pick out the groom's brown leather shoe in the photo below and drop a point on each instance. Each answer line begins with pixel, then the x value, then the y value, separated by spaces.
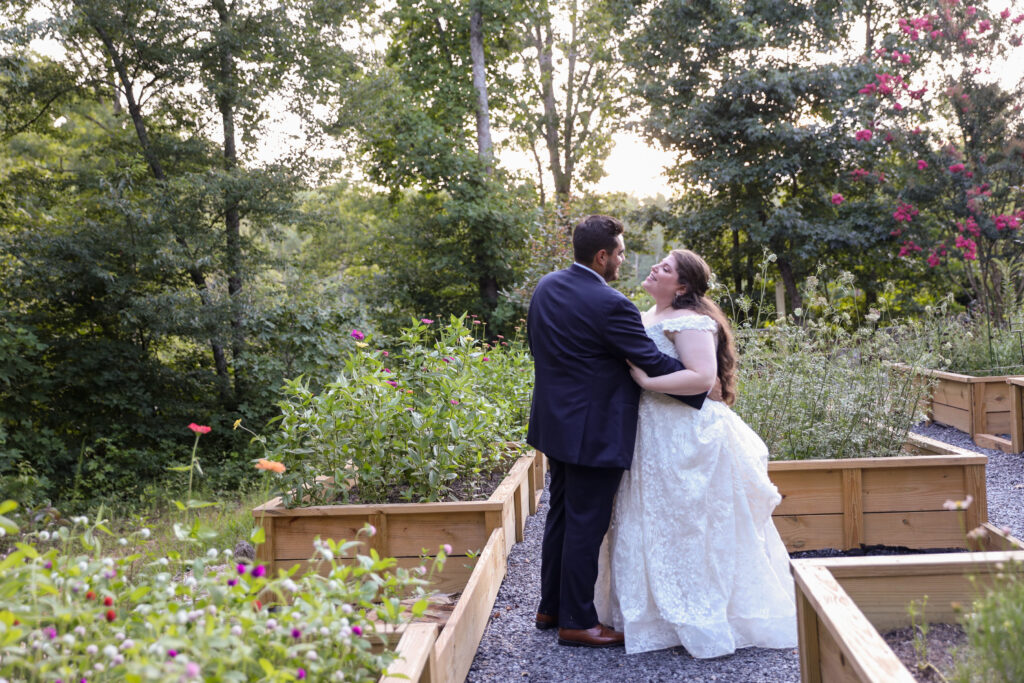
pixel 597 636
pixel 545 621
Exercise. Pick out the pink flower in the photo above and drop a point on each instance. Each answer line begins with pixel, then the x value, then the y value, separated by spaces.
pixel 485 359
pixel 300 674
pixel 385 370
pixel 921 164
pixel 868 89
pixel 258 571
pixel 956 168
pixel 392 382
pixel 904 212
pixel 972 10
pixel 199 429
pixel 357 630
pixel 969 246
pixel 837 199
pixel 859 173
pixel 933 259
pixel 969 174
pixel 357 335
pixel 863 134
pixel 447 548
pixel 426 321
pixel 386 354
pixel 454 402
pixel 898 106
pixel 172 653
pixel 984 25
pixel 908 247
pixel 935 34
pixel 1005 14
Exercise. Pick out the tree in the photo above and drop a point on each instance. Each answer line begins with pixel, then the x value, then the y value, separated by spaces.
pixel 755 103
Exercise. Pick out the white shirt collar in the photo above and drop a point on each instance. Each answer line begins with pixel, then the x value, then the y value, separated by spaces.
pixel 590 270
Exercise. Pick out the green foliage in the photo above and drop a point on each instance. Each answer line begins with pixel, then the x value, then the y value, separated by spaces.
pixel 821 387
pixel 64 612
pixel 406 419
pixel 995 632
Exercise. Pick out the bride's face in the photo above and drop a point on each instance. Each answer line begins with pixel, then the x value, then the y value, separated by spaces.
pixel 663 282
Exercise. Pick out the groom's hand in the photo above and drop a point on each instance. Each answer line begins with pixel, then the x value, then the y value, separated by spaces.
pixel 716 391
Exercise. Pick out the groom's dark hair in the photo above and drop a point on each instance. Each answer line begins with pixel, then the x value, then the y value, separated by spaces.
pixel 593 234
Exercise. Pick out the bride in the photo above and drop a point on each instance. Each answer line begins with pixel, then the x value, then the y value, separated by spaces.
pixel 692 557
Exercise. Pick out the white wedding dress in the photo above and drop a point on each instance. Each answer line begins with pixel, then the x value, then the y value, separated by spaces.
pixel 692 557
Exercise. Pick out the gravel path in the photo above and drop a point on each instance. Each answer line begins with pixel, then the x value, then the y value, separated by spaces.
pixel 512 649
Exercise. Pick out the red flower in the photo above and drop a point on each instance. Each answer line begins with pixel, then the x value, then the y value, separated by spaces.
pixel 111 615
pixel 90 595
pixel 956 168
pixel 108 601
pixel 199 429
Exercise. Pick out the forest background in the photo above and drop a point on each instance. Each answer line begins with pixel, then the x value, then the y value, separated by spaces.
pixel 169 255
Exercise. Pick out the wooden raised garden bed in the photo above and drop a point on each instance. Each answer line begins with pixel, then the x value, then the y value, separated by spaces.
pixel 890 501
pixel 443 653
pixel 407 531
pixel 979 406
pixel 844 604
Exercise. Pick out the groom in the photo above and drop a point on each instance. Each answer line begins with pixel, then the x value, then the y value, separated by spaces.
pixel 583 417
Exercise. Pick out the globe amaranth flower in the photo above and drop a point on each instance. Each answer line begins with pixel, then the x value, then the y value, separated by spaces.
pixel 199 429
pixel 258 571
pixel 357 335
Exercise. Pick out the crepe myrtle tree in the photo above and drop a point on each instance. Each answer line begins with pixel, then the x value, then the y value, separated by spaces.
pixel 942 141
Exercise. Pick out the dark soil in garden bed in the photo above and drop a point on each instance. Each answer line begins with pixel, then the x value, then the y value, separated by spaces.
pixel 870 550
pixel 930 656
pixel 478 487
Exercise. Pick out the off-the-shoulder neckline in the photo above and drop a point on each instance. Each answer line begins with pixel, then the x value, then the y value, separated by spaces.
pixel 676 317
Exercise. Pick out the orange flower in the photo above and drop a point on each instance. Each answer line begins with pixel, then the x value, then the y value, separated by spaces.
pixel 271 465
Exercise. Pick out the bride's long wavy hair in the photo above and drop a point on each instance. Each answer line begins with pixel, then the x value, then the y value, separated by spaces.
pixel 695 274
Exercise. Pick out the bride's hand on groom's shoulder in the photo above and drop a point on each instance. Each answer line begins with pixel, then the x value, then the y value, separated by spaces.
pixel 639 376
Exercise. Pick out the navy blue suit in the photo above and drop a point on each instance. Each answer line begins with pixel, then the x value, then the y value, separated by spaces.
pixel 583 417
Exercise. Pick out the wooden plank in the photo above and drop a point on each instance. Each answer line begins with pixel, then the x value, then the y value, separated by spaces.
pixel 918 443
pixel 807 491
pixel 858 644
pixel 265 551
pixel 807 628
pixel 997 422
pixel 930 529
pixel 974 486
pixel 810 532
pixel 853 508
pixel 1016 414
pixel 907 489
pixel 844 568
pixel 959 457
pixel 994 442
pixel 407 535
pixel 952 417
pixel 536 484
pixel 953 393
pixel 275 510
pixel 452 579
pixel 456 646
pixel 416 658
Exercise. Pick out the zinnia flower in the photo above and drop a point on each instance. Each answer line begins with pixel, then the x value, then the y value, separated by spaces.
pixel 272 465
pixel 357 335
pixel 199 429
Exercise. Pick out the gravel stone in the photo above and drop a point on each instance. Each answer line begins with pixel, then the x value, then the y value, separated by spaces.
pixel 512 649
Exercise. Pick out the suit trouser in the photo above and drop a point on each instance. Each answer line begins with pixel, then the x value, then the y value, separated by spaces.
pixel 580 510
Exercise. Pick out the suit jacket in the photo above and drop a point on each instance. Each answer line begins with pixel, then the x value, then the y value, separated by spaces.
pixel 584 408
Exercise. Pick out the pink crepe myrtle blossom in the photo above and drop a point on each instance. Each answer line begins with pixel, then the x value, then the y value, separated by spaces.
pixel 837 199
pixel 860 173
pixel 956 168
pixel 969 246
pixel 898 106
pixel 970 226
pixel 904 212
pixel 908 247
pixel 921 164
pixel 1006 222
pixel 984 25
pixel 868 89
pixel 971 10
pixel 863 134
pixel 933 260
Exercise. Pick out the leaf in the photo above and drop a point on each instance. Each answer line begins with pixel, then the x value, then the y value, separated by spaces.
pixel 267 667
pixel 258 535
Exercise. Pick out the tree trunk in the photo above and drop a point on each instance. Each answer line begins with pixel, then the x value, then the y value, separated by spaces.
pixel 789 282
pixel 156 168
pixel 232 218
pixel 544 42
pixel 483 116
pixel 737 267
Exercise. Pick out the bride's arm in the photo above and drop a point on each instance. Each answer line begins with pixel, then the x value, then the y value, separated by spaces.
pixel 697 352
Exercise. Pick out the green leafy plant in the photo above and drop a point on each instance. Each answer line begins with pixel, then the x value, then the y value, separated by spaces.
pixel 67 615
pixel 995 631
pixel 405 422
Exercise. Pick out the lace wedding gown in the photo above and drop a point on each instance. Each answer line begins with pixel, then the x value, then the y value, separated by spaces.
pixel 692 557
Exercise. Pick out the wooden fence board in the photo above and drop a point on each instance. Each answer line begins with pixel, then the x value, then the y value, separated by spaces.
pixel 897 489
pixel 416 659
